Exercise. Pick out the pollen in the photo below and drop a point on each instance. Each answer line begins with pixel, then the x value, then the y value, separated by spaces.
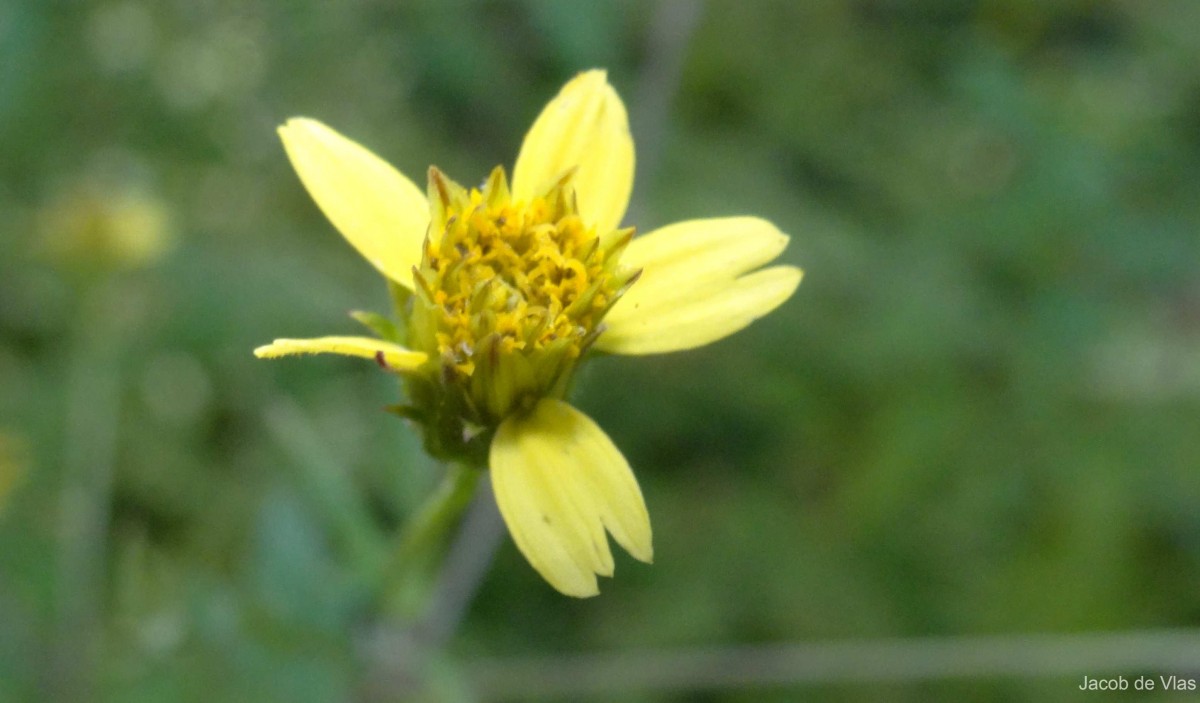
pixel 514 292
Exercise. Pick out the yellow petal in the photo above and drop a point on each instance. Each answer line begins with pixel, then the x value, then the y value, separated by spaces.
pixel 697 253
pixel 583 127
pixel 379 211
pixel 559 481
pixel 692 290
pixel 709 315
pixel 393 356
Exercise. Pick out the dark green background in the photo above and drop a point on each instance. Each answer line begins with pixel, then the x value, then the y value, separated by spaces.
pixel 978 414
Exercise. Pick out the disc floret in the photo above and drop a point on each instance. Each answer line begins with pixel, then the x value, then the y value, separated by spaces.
pixel 509 297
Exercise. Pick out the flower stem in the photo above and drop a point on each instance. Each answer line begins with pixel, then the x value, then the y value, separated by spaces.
pixel 407 574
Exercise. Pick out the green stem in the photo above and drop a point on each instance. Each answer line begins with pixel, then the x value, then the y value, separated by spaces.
pixel 89 461
pixel 327 488
pixel 408 569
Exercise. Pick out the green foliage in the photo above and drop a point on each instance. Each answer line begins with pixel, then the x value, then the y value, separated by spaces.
pixel 976 416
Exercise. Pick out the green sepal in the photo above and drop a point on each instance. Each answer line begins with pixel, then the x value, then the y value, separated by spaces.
pixel 408 412
pixel 401 304
pixel 383 327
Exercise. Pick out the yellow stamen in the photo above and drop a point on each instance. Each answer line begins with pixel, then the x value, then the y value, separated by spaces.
pixel 501 279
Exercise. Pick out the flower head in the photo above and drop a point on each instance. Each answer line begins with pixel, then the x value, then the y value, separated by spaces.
pixel 511 294
pixel 97 226
pixel 508 289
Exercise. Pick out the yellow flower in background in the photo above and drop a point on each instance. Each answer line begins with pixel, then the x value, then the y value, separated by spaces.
pixel 97 225
pixel 510 287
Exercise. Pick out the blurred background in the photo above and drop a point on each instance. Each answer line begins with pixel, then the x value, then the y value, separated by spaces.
pixel 977 416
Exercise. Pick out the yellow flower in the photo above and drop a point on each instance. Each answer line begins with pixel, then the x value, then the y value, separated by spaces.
pixel 93 225
pixel 507 291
